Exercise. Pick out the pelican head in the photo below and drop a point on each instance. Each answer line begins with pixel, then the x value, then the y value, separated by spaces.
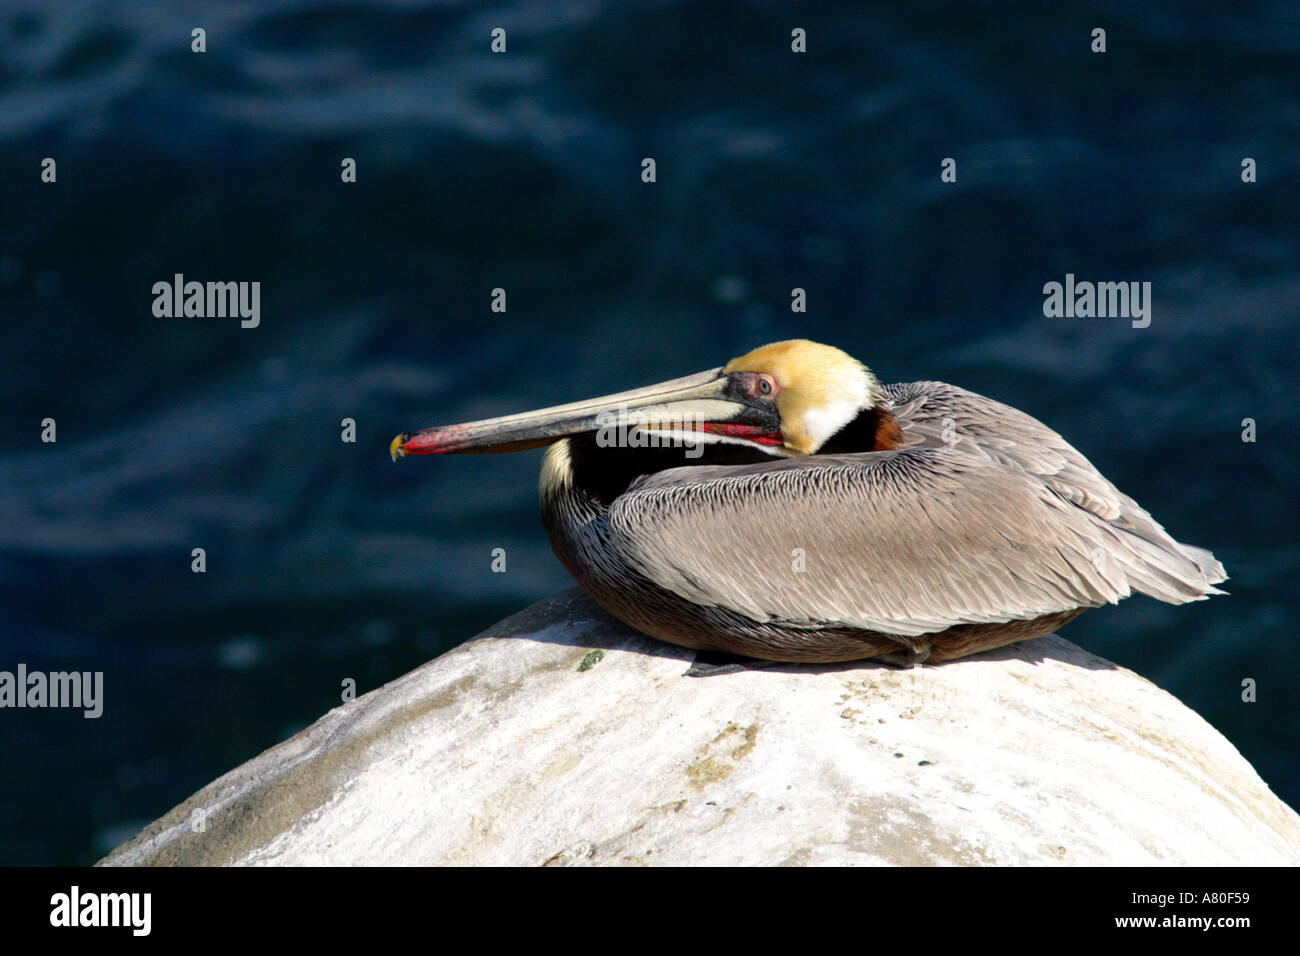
pixel 785 399
pixel 818 389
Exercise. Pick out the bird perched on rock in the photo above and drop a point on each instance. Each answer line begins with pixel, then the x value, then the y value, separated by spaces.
pixel 789 507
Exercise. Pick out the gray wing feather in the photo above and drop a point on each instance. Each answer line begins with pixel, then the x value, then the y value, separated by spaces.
pixel 984 515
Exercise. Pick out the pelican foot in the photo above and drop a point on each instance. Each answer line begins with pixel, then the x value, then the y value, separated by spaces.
pixel 713 663
pixel 905 657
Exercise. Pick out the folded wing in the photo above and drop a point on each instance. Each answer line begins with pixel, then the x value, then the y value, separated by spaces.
pixel 984 515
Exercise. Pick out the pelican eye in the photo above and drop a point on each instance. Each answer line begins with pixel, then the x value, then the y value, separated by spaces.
pixel 764 386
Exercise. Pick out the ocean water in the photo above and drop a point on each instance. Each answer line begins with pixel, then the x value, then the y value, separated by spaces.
pixel 522 170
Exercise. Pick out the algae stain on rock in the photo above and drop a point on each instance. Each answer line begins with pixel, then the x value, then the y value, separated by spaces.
pixel 751 737
pixel 717 758
pixel 591 660
pixel 707 770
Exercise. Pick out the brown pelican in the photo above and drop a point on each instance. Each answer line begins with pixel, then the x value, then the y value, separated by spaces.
pixel 789 507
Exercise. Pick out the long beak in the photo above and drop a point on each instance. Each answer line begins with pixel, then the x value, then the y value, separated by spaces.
pixel 688 403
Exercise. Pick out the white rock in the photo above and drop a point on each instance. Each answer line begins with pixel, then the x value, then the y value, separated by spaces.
pixel 505 751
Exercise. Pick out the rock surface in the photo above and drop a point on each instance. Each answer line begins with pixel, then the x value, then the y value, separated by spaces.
pixel 561 737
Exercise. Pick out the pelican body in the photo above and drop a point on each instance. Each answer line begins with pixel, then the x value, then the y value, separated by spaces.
pixel 789 507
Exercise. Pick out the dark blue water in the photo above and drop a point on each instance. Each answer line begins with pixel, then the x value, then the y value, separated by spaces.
pixel 522 170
